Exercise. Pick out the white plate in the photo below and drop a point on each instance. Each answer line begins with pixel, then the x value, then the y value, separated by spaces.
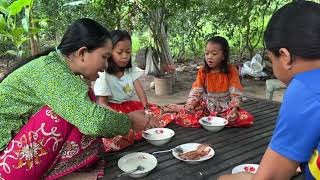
pixel 251 168
pixel 191 147
pixel 131 161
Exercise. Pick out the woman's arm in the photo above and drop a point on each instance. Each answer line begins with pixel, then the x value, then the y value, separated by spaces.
pixel 140 92
pixel 103 101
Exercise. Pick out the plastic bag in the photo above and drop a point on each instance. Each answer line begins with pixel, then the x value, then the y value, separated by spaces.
pixel 254 67
pixel 151 64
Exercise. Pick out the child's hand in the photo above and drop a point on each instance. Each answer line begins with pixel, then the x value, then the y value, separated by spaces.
pixel 152 123
pixel 233 115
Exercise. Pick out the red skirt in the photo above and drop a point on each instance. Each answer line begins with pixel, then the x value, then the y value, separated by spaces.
pixel 120 142
pixel 49 147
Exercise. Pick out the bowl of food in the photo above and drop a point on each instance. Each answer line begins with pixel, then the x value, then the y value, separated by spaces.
pixel 158 136
pixel 193 153
pixel 212 123
pixel 137 164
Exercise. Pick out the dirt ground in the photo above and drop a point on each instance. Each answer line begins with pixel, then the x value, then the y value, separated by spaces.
pixel 252 88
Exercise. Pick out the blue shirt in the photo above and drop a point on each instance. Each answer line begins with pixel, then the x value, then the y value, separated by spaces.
pixel 297 131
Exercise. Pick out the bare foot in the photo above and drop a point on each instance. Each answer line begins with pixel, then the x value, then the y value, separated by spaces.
pixel 172 108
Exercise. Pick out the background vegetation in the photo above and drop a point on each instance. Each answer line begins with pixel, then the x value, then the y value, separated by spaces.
pixel 176 28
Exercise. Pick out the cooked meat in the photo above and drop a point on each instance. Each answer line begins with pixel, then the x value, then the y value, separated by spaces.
pixel 202 150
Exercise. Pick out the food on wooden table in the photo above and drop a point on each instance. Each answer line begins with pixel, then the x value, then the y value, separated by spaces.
pixel 201 151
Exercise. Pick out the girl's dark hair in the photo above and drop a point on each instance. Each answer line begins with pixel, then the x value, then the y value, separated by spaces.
pixel 116 36
pixel 296 27
pixel 83 32
pixel 226 51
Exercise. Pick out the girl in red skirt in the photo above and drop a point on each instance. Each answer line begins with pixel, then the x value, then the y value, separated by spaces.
pixel 216 91
pixel 116 89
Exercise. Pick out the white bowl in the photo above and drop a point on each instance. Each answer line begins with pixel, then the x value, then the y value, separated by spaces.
pixel 191 147
pixel 212 123
pixel 158 136
pixel 251 168
pixel 131 161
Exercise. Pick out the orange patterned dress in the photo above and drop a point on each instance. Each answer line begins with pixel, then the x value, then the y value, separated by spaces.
pixel 215 93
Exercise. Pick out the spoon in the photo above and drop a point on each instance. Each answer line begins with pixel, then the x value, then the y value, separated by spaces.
pixel 176 149
pixel 139 168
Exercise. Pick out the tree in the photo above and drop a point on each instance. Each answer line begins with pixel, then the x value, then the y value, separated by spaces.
pixel 16 26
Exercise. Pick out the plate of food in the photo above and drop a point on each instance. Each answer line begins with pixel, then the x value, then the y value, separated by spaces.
pixel 250 168
pixel 193 153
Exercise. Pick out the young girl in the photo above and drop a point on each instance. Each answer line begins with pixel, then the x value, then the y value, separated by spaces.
pixel 216 91
pixel 292 39
pixel 116 89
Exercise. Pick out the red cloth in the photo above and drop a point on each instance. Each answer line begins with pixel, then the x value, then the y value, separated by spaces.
pixel 48 147
pixel 186 118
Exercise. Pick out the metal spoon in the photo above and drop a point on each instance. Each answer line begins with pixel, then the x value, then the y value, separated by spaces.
pixel 139 168
pixel 176 149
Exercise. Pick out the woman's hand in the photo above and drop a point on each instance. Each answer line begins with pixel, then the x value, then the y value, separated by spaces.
pixel 138 120
pixel 142 121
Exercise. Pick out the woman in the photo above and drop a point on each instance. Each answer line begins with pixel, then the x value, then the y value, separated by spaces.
pixel 292 38
pixel 48 124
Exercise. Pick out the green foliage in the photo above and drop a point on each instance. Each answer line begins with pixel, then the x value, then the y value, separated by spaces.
pixel 15 27
pixel 187 24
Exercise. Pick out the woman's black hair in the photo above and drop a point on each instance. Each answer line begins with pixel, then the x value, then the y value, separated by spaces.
pixel 83 32
pixel 296 27
pixel 116 36
pixel 226 53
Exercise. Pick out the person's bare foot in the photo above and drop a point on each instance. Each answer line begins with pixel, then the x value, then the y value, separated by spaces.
pixel 172 108
pixel 80 176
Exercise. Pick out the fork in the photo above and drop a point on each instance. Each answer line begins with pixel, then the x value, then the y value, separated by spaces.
pixel 139 168
pixel 176 149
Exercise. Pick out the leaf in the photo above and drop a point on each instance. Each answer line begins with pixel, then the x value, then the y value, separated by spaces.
pixel 17 32
pixel 25 24
pixel 15 8
pixel 35 30
pixel 76 3
pixel 2 22
pixel 4 3
pixel 25 3
pixel 12 52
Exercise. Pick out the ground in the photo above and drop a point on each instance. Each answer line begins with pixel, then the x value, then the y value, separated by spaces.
pixel 252 88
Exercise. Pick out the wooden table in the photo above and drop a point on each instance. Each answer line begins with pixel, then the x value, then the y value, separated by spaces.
pixel 233 146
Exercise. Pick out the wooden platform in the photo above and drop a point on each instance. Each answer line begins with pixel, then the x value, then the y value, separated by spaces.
pixel 233 146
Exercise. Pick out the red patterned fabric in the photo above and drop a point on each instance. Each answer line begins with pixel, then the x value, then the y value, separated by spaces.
pixel 187 118
pixel 120 142
pixel 48 147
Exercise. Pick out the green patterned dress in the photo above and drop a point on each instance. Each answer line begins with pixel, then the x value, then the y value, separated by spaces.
pixel 48 80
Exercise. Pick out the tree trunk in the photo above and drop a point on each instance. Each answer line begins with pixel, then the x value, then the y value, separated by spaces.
pixel 161 39
pixel 34 45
